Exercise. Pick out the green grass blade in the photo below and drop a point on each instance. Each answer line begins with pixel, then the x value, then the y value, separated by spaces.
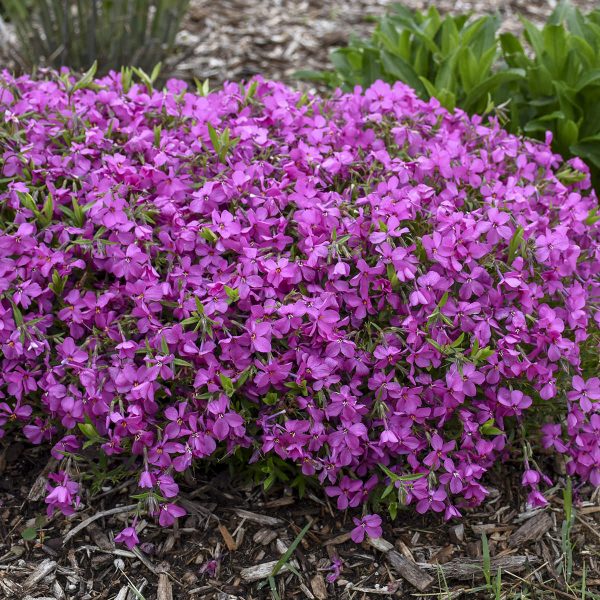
pixel 284 559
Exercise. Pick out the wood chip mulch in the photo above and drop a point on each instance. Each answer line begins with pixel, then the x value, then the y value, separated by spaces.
pixel 235 534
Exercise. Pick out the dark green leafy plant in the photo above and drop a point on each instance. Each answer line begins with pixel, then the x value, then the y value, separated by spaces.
pixel 561 89
pixel 76 33
pixel 545 79
pixel 450 58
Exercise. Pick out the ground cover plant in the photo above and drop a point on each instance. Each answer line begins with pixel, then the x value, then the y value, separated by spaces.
pixel 544 79
pixel 364 291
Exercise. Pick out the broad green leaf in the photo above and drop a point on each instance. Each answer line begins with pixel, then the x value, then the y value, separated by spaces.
pixel 402 71
pixel 568 132
pixel 589 78
pixel 29 534
pixel 480 92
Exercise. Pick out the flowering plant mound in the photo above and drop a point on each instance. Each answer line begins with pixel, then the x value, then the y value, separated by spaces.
pixel 365 286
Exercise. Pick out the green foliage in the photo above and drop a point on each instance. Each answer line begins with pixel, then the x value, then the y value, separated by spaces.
pixel 545 79
pixel 76 33
pixel 451 58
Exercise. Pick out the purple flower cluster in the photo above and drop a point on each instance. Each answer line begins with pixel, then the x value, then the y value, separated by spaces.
pixel 365 286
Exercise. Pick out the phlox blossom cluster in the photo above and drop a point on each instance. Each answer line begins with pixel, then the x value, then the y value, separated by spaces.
pixel 369 288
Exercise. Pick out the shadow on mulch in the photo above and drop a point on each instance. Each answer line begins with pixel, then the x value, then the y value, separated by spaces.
pixel 235 535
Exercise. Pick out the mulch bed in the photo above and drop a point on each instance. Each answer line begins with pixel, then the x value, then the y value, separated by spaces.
pixel 235 534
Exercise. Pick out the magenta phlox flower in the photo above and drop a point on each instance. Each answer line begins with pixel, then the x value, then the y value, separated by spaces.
pixel 369 525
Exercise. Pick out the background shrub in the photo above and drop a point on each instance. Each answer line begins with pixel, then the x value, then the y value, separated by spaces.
pixel 77 33
pixel 545 79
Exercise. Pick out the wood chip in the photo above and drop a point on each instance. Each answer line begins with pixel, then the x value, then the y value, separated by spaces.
pixel 307 593
pixel 317 584
pixel 38 489
pixel 165 590
pixel 99 537
pixel 468 568
pixel 457 533
pixel 262 571
pixel 489 528
pixel 284 501
pixel 257 518
pixel 532 530
pixel 228 538
pixel 338 539
pixel 443 555
pixel 42 570
pixel 403 566
pixel 122 595
pixel 409 571
pixel 264 536
pixel 59 593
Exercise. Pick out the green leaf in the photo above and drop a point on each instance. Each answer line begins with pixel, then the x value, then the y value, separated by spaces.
pixel 232 294
pixel 436 345
pixel 17 315
pixel 29 534
pixel 209 235
pixel 250 92
pixel 214 138
pixel 164 347
pixel 543 123
pixel 270 399
pixel 568 132
pixel 155 72
pixel 555 43
pixel 87 78
pixel 458 341
pixel 588 78
pixel 88 430
pixel 488 428
pixel 388 490
pixel 182 363
pixel 58 283
pixel 515 244
pixel 588 149
pixel 533 36
pixel 227 384
pixel 395 477
pixel 593 217
pixel 491 84
pixel 513 50
pixel 403 71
